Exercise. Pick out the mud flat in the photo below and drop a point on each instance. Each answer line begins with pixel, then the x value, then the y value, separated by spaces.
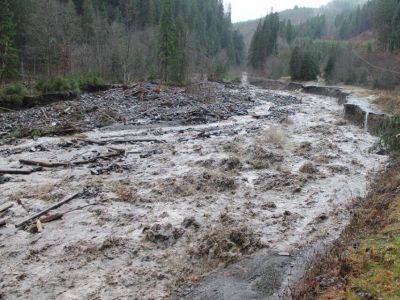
pixel 222 208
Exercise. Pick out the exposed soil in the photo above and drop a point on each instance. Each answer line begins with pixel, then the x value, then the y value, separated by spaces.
pixel 236 170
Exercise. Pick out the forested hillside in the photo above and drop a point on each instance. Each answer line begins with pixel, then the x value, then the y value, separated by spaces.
pixel 299 15
pixel 357 46
pixel 119 40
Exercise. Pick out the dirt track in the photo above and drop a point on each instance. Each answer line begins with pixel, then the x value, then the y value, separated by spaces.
pixel 280 176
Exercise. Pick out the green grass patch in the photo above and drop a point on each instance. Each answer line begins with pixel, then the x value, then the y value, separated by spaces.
pixel 375 263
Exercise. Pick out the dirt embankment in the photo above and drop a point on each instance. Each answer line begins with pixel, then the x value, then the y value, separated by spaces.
pixel 364 263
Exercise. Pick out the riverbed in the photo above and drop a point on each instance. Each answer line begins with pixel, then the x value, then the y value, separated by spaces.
pixel 183 200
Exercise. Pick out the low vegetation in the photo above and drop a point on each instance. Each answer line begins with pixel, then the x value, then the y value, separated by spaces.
pixel 391 134
pixel 366 262
pixel 13 95
pixel 67 83
pixel 375 263
pixel 389 101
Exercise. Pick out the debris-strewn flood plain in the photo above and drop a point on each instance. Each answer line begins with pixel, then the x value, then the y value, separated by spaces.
pixel 180 184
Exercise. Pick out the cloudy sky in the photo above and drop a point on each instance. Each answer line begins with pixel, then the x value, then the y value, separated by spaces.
pixel 243 10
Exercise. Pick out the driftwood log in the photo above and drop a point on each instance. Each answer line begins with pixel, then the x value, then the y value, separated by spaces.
pixel 72 163
pixel 16 171
pixel 6 206
pixel 43 212
pixel 120 141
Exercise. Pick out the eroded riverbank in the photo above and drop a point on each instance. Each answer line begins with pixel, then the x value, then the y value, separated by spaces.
pixel 188 199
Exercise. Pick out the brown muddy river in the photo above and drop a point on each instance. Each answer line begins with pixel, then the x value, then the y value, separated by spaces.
pixel 190 201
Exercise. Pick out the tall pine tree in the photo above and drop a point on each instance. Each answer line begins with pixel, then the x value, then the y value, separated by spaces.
pixel 264 42
pixel 8 51
pixel 171 45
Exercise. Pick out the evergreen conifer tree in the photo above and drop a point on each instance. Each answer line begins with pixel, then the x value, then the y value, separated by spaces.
pixel 264 42
pixel 330 67
pixel 87 20
pixel 289 32
pixel 172 45
pixel 8 51
pixel 295 64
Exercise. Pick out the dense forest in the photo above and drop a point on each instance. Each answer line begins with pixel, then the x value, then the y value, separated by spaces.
pixel 117 40
pixel 355 46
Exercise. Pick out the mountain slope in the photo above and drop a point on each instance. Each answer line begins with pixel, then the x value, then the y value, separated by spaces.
pixel 298 15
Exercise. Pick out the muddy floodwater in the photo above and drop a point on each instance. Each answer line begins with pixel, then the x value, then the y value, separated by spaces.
pixel 182 201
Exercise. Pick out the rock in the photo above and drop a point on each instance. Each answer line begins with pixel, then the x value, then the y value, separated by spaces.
pixel 164 215
pixel 296 190
pixel 321 218
pixel 151 153
pixel 231 163
pixel 66 144
pixel 37 148
pixel 4 179
pixel 164 235
pixel 269 205
pixel 308 168
pixel 338 169
pixel 190 222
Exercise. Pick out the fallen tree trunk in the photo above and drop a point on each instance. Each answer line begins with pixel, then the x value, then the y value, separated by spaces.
pixel 72 163
pixel 16 171
pixel 6 206
pixel 43 212
pixel 130 141
pixel 42 163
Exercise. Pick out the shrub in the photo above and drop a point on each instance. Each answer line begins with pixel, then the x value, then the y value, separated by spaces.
pixel 67 83
pixel 390 137
pixel 14 93
pixel 91 79
pixel 58 84
pixel 62 84
pixel 363 79
pixel 351 77
pixel 218 68
pixel 386 81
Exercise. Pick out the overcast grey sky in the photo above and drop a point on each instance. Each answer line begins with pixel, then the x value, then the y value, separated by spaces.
pixel 243 10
